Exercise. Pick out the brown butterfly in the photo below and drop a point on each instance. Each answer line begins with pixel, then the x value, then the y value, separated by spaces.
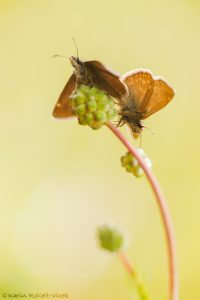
pixel 146 95
pixel 91 73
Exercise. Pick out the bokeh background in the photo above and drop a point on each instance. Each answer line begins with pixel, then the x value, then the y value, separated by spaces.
pixel 59 180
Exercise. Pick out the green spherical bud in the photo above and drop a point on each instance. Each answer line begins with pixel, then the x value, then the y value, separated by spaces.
pixel 89 118
pixel 92 106
pixel 111 114
pixel 80 99
pixel 129 156
pixel 94 90
pixel 100 116
pixel 96 125
pixel 82 121
pixel 124 160
pixel 103 103
pixel 101 96
pixel 110 238
pixel 129 168
pixel 84 89
pixel 80 110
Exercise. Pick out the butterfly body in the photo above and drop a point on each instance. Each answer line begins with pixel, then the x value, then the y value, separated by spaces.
pixel 81 72
pixel 131 116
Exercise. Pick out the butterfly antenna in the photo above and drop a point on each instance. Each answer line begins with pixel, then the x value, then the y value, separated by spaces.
pixel 75 47
pixel 58 55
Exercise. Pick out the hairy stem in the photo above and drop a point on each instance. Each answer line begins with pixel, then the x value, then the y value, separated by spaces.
pixel 164 212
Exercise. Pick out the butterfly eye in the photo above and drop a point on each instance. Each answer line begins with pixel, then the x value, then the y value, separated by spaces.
pixel 78 61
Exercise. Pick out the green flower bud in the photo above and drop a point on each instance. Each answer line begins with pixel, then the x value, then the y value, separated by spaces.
pixel 92 106
pixel 95 125
pixel 82 120
pixel 110 238
pixel 89 118
pixel 129 168
pixel 94 90
pixel 80 110
pixel 111 113
pixel 130 163
pixel 103 106
pixel 79 99
pixel 124 160
pixel 83 89
pixel 100 116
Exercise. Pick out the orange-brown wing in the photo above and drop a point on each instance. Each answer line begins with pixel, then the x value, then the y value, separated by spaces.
pixel 63 108
pixel 140 86
pixel 106 79
pixel 161 96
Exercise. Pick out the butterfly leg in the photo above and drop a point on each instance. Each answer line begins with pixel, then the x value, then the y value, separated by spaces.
pixel 121 122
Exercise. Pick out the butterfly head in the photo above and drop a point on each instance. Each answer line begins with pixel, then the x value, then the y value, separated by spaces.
pixel 132 118
pixel 80 70
pixel 130 115
pixel 75 61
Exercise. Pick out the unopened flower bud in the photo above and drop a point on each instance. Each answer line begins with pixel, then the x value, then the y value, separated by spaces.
pixel 92 106
pixel 110 238
pixel 130 163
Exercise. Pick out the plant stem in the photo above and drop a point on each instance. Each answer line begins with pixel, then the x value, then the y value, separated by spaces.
pixel 126 263
pixel 141 289
pixel 164 212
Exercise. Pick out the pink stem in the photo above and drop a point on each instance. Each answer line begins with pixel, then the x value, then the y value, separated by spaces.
pixel 168 228
pixel 126 263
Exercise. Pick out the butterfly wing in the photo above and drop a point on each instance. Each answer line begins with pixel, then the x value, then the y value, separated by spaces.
pixel 148 95
pixel 140 86
pixel 63 108
pixel 162 94
pixel 105 79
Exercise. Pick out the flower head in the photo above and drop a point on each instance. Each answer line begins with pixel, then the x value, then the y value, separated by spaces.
pixel 130 163
pixel 92 106
pixel 110 238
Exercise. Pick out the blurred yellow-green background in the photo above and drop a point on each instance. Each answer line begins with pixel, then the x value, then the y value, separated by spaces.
pixel 59 180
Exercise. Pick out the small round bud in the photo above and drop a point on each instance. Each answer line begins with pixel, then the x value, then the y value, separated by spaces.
pixel 80 110
pixel 129 168
pixel 95 125
pixel 124 160
pixel 80 99
pixel 94 90
pixel 83 89
pixel 82 121
pixel 100 116
pixel 110 238
pixel 92 105
pixel 111 113
pixel 89 118
pixel 130 163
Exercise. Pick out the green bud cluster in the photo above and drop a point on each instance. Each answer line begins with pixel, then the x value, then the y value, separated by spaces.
pixel 110 238
pixel 92 106
pixel 130 163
